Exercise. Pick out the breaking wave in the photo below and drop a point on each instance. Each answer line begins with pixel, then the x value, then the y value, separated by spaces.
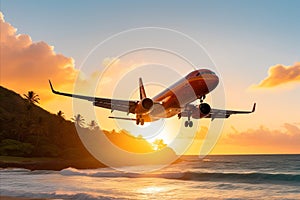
pixel 251 177
pixel 44 195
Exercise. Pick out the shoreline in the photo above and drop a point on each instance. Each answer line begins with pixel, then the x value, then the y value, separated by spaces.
pixel 55 164
pixel 19 198
pixel 33 164
pixel 58 164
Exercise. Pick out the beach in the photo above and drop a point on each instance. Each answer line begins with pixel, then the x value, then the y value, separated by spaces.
pixel 215 177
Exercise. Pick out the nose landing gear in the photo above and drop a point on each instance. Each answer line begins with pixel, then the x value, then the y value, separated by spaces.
pixel 202 98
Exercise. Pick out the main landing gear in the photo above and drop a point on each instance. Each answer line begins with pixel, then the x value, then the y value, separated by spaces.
pixel 189 123
pixel 140 120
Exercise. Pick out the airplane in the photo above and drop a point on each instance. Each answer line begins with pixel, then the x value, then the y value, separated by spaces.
pixel 175 100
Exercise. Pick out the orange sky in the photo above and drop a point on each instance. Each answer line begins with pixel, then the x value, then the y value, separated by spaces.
pixel 27 65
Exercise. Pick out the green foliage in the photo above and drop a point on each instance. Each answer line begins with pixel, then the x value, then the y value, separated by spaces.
pixel 35 132
pixel 15 148
pixel 48 150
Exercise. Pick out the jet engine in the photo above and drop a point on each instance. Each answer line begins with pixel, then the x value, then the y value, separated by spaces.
pixel 204 108
pixel 201 111
pixel 144 106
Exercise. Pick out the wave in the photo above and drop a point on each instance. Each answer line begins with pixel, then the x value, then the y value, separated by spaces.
pixel 252 177
pixel 44 195
pixel 243 177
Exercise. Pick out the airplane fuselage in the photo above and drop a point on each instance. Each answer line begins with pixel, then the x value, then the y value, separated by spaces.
pixel 195 85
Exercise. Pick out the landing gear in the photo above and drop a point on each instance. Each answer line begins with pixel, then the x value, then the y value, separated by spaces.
pixel 139 120
pixel 193 110
pixel 179 115
pixel 188 123
pixel 202 98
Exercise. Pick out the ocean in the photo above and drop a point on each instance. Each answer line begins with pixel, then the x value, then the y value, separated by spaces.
pixel 213 177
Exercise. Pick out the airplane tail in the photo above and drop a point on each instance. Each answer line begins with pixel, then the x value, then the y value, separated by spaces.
pixel 142 89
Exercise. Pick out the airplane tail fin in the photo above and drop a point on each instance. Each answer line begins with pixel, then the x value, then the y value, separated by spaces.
pixel 142 89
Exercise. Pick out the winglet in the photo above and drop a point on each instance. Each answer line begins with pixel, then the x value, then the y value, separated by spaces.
pixel 253 109
pixel 52 87
pixel 142 89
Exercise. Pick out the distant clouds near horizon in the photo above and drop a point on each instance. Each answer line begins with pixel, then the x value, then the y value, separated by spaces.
pixel 280 74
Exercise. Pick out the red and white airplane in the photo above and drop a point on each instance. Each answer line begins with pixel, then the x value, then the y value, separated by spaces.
pixel 175 100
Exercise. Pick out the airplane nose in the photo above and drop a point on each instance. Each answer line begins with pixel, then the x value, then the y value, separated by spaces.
pixel 216 80
pixel 213 82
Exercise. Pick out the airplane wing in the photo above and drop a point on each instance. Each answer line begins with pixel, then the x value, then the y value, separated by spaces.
pixel 218 113
pixel 112 104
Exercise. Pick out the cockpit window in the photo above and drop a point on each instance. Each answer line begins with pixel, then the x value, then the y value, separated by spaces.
pixel 199 73
pixel 205 72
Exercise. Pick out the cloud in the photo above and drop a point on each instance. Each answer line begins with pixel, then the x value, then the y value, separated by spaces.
pixel 280 74
pixel 27 65
pixel 285 140
pixel 110 61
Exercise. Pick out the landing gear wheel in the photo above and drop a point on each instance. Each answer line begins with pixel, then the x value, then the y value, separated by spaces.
pixel 142 122
pixel 190 124
pixel 186 123
pixel 137 121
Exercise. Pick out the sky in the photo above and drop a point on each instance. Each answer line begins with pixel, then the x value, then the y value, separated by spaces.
pixel 252 46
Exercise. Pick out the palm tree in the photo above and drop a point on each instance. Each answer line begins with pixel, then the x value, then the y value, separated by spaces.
pixel 93 125
pixel 159 144
pixel 32 97
pixel 61 114
pixel 78 120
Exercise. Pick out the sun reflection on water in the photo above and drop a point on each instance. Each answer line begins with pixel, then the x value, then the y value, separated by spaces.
pixel 152 189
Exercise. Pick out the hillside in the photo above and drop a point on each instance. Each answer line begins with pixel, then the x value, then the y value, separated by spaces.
pixel 28 131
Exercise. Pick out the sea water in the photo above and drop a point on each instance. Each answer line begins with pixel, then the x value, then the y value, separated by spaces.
pixel 214 177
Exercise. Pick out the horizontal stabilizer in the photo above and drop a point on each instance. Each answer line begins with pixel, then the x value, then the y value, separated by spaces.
pixel 123 118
